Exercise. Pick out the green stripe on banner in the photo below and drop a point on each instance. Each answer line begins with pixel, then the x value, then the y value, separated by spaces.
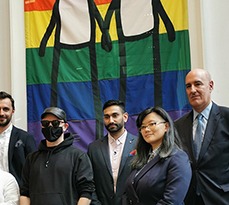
pixel 75 64
pixel 38 69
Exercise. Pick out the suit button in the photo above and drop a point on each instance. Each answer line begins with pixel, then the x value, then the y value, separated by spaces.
pixel 130 201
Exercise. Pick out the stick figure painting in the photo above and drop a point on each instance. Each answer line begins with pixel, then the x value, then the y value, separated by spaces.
pixel 81 53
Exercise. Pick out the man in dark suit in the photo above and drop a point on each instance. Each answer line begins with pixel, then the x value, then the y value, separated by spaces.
pixel 15 144
pixel 111 155
pixel 210 165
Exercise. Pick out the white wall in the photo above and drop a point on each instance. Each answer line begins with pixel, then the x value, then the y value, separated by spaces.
pixel 215 35
pixel 209 31
pixel 209 42
pixel 12 56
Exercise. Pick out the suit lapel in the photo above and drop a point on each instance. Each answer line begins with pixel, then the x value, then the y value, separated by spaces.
pixel 12 142
pixel 128 147
pixel 188 123
pixel 105 152
pixel 212 124
pixel 146 168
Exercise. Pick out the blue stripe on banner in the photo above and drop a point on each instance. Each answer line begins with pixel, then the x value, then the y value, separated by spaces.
pixel 109 89
pixel 77 100
pixel 139 93
pixel 38 98
pixel 174 94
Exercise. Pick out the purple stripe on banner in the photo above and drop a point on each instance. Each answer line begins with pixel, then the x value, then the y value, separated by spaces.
pixel 84 130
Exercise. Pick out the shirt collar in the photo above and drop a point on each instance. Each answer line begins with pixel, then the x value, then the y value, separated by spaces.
pixel 8 129
pixel 120 140
pixel 205 112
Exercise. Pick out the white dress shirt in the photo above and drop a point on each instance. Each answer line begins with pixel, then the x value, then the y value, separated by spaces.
pixel 4 147
pixel 116 149
pixel 9 190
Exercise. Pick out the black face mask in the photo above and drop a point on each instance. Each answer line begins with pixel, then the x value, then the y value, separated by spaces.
pixel 51 133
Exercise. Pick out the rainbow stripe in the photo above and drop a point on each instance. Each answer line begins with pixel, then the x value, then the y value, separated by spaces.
pixel 75 80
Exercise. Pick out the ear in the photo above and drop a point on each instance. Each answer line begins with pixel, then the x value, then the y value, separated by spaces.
pixel 65 127
pixel 211 85
pixel 125 116
pixel 166 126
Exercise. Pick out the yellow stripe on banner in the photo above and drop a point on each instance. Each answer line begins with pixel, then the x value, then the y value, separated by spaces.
pixel 113 31
pixel 36 23
pixel 177 11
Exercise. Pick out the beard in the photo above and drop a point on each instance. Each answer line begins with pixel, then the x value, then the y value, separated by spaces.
pixel 112 127
pixel 5 122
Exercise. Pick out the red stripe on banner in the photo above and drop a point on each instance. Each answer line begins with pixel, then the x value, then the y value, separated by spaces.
pixel 99 2
pixel 38 5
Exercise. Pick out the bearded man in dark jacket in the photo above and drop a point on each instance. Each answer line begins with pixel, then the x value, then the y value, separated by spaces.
pixel 58 173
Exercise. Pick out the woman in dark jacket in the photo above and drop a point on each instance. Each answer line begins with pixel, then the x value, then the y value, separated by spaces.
pixel 161 171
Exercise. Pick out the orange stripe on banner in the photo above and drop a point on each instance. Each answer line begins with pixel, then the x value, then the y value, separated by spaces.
pixel 99 2
pixel 38 5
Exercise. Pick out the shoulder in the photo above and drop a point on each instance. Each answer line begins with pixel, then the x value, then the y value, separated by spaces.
pixel 97 142
pixel 20 132
pixel 131 140
pixel 224 110
pixel 179 156
pixel 131 135
pixel 7 177
pixel 183 118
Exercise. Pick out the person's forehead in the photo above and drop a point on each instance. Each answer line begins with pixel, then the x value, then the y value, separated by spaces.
pixel 152 117
pixel 112 109
pixel 6 102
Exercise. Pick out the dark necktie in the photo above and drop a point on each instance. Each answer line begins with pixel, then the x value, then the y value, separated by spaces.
pixel 198 135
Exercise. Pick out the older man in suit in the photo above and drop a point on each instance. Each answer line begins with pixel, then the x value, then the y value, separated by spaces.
pixel 15 143
pixel 111 155
pixel 206 141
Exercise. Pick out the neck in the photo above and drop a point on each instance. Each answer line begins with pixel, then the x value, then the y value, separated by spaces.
pixel 116 135
pixel 2 129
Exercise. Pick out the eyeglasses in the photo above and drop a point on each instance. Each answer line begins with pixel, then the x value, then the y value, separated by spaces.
pixel 55 123
pixel 150 125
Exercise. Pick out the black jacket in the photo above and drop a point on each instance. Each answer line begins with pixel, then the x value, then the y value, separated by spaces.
pixel 211 171
pixel 57 176
pixel 21 144
pixel 98 152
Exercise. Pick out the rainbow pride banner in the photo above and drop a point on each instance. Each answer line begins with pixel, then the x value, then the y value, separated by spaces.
pixel 81 53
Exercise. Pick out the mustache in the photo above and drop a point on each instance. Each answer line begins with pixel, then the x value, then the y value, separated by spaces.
pixel 110 124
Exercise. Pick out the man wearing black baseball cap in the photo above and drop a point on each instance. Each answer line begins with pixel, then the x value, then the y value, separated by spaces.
pixel 57 173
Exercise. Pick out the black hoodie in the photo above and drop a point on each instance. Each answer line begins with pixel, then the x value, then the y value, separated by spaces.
pixel 57 176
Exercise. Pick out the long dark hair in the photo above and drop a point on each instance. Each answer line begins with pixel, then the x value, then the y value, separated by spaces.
pixel 168 142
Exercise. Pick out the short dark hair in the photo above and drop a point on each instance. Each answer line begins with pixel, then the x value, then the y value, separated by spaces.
pixel 119 103
pixel 4 95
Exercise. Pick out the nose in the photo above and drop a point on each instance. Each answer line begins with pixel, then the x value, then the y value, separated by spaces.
pixel 147 128
pixel 192 88
pixel 111 119
pixel 1 111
